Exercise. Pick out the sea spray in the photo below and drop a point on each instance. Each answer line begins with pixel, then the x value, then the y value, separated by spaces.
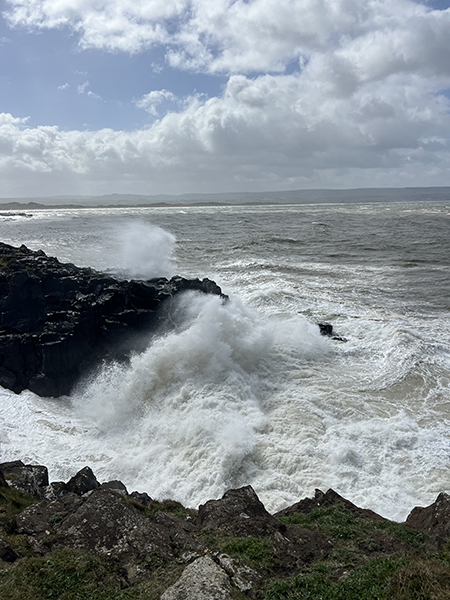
pixel 188 413
pixel 145 250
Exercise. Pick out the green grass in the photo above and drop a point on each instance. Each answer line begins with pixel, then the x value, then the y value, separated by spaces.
pixel 166 506
pixel 72 575
pixel 13 502
pixel 338 523
pixel 398 577
pixel 256 552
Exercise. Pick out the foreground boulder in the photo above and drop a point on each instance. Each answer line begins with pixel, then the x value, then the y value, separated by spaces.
pixel 57 320
pixel 201 580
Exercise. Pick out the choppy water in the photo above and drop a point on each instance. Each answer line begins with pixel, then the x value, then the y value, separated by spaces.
pixel 249 392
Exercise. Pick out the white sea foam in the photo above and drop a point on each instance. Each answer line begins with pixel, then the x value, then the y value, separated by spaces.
pixel 145 250
pixel 189 411
pixel 234 396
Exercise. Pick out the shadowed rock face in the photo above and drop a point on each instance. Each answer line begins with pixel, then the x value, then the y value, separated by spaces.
pixel 57 320
pixel 433 520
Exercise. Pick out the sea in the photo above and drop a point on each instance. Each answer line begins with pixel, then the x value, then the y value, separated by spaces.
pixel 248 392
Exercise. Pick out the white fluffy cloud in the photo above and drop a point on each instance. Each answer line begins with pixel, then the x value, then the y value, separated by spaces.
pixel 259 35
pixel 269 132
pixel 366 105
pixel 154 99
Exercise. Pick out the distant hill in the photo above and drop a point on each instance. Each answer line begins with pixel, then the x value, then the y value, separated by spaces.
pixel 232 198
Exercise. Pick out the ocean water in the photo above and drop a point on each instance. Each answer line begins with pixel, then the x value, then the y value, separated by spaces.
pixel 249 392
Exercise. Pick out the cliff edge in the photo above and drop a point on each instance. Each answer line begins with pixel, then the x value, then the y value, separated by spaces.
pixel 57 320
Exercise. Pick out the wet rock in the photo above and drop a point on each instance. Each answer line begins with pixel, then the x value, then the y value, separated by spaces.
pixel 433 520
pixel 326 329
pixel 201 580
pixel 58 321
pixel 84 481
pixel 31 479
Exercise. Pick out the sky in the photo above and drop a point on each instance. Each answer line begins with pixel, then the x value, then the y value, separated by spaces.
pixel 184 96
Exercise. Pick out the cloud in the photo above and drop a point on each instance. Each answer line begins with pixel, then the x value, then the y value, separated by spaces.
pixel 338 93
pixel 273 131
pixel 150 101
pixel 83 89
pixel 64 86
pixel 235 36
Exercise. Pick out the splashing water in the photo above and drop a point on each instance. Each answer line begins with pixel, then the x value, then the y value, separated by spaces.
pixel 187 414
pixel 146 251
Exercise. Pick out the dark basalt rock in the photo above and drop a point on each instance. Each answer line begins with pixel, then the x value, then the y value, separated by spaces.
pixel 115 485
pixel 3 482
pixel 238 512
pixel 82 482
pixel 58 321
pixel 326 329
pixel 433 520
pixel 31 479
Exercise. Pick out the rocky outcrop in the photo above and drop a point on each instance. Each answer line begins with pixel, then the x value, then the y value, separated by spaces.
pixel 327 500
pixel 230 548
pixel 31 479
pixel 57 320
pixel 433 520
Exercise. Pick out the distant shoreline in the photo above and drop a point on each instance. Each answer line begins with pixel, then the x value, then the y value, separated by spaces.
pixel 292 197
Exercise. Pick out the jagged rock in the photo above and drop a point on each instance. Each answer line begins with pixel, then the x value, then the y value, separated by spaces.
pixel 39 521
pixel 82 482
pixel 433 520
pixel 7 553
pixel 143 498
pixel 239 512
pixel 201 580
pixel 241 576
pixel 31 479
pixel 181 534
pixel 140 544
pixel 58 321
pixel 324 500
pixel 56 490
pixel 115 485
pixel 105 523
pixel 326 329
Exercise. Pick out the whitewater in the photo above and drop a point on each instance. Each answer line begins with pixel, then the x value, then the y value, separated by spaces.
pixel 248 391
